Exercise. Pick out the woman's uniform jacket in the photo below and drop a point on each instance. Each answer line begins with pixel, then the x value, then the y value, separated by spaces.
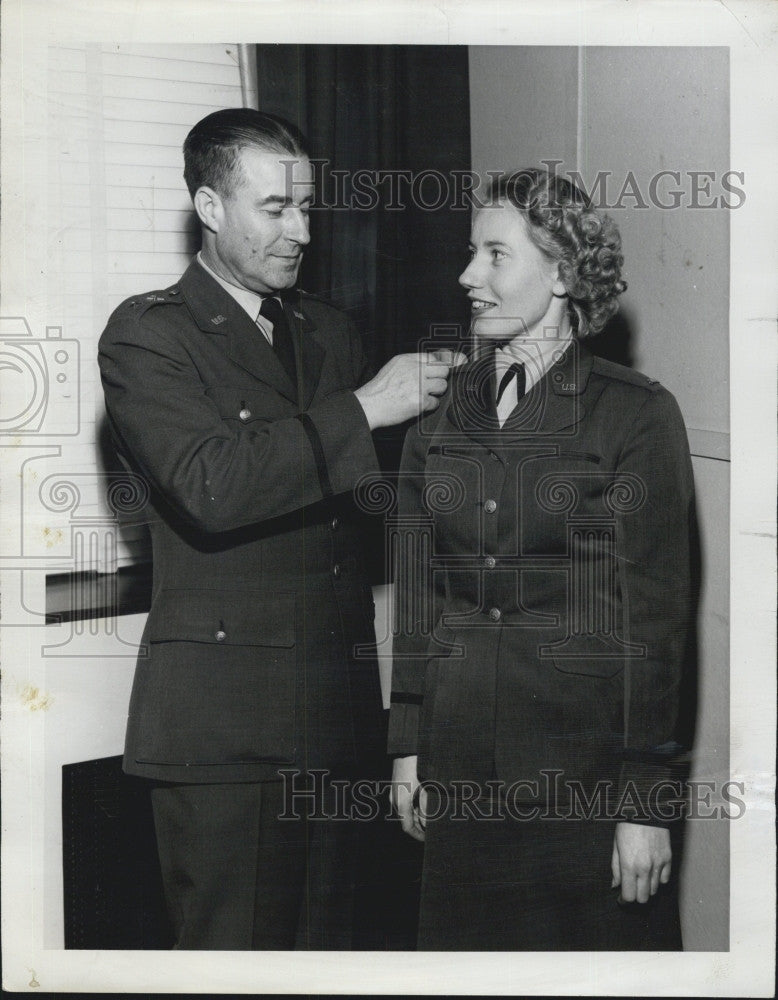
pixel 543 587
pixel 248 661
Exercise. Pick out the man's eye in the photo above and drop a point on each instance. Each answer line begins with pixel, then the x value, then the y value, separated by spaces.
pixel 497 255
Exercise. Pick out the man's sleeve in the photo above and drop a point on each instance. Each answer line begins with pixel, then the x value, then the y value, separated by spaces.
pixel 414 599
pixel 218 475
pixel 655 540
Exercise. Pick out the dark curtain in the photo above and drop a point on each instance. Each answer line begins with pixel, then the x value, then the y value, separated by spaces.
pixel 393 265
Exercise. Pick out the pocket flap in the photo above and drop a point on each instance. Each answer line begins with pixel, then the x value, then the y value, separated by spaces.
pixel 230 618
pixel 589 666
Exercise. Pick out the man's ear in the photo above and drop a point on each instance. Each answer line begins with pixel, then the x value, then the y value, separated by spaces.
pixel 209 208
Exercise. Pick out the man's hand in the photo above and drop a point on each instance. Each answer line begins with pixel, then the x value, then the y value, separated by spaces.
pixel 641 859
pixel 406 386
pixel 405 783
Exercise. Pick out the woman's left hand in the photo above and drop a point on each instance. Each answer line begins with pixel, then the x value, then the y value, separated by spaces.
pixel 641 859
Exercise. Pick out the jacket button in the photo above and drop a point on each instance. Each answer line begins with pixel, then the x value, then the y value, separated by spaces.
pixel 490 562
pixel 494 456
pixel 244 414
pixel 495 614
pixel 490 506
pixel 220 636
pixel 334 524
pixel 336 570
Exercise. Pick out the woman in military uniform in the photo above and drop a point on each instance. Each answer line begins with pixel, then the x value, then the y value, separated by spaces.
pixel 545 604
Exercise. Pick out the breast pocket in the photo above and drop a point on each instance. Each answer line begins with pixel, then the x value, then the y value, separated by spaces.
pixel 220 681
pixel 589 666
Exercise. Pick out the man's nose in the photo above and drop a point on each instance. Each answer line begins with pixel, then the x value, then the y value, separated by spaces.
pixel 298 228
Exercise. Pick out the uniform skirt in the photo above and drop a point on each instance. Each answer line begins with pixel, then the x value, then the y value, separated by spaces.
pixel 537 884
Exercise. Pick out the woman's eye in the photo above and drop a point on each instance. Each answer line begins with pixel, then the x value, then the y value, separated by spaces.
pixel 497 255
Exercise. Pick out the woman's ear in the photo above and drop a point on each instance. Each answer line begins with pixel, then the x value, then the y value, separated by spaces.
pixel 558 289
pixel 208 206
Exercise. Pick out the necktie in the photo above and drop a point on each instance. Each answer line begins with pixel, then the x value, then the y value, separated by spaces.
pixel 509 404
pixel 282 337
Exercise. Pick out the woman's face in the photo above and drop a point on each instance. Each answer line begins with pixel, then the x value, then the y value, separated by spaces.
pixel 513 288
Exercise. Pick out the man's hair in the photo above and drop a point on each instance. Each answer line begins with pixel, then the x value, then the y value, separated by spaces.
pixel 586 244
pixel 212 148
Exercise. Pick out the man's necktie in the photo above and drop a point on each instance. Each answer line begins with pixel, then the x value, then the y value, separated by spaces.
pixel 282 337
pixel 516 371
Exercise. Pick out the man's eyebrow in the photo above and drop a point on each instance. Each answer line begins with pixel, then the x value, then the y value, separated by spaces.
pixel 283 199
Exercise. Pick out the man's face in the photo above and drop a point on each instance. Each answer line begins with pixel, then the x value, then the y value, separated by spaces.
pixel 261 228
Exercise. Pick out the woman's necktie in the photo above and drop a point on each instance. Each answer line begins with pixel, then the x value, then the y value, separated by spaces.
pixel 507 403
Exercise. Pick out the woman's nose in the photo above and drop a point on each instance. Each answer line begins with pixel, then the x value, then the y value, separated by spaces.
pixel 469 277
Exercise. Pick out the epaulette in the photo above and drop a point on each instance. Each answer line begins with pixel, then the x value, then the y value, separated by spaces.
pixel 315 297
pixel 139 304
pixel 612 370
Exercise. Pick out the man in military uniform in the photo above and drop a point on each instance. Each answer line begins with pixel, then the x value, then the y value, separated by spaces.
pixel 247 407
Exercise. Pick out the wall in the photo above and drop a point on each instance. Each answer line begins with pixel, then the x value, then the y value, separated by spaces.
pixel 118 221
pixel 645 110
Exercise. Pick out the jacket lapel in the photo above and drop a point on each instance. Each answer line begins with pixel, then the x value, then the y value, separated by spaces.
pixel 472 406
pixel 554 403
pixel 557 401
pixel 308 350
pixel 215 311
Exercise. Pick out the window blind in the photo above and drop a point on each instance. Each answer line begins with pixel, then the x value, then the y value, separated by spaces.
pixel 120 222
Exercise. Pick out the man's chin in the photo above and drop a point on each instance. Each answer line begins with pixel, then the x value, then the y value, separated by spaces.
pixel 287 277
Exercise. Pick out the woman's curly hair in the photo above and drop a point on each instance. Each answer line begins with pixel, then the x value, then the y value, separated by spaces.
pixel 584 243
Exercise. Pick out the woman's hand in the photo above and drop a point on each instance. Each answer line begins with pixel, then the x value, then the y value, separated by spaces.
pixel 641 859
pixel 408 797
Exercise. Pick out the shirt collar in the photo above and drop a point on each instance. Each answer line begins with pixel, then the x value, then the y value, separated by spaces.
pixel 246 299
pixel 537 356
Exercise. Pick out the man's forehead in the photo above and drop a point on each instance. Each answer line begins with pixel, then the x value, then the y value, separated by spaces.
pixel 284 172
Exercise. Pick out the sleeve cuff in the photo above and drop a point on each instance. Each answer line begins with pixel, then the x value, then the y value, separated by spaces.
pixel 341 441
pixel 403 725
pixel 652 795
